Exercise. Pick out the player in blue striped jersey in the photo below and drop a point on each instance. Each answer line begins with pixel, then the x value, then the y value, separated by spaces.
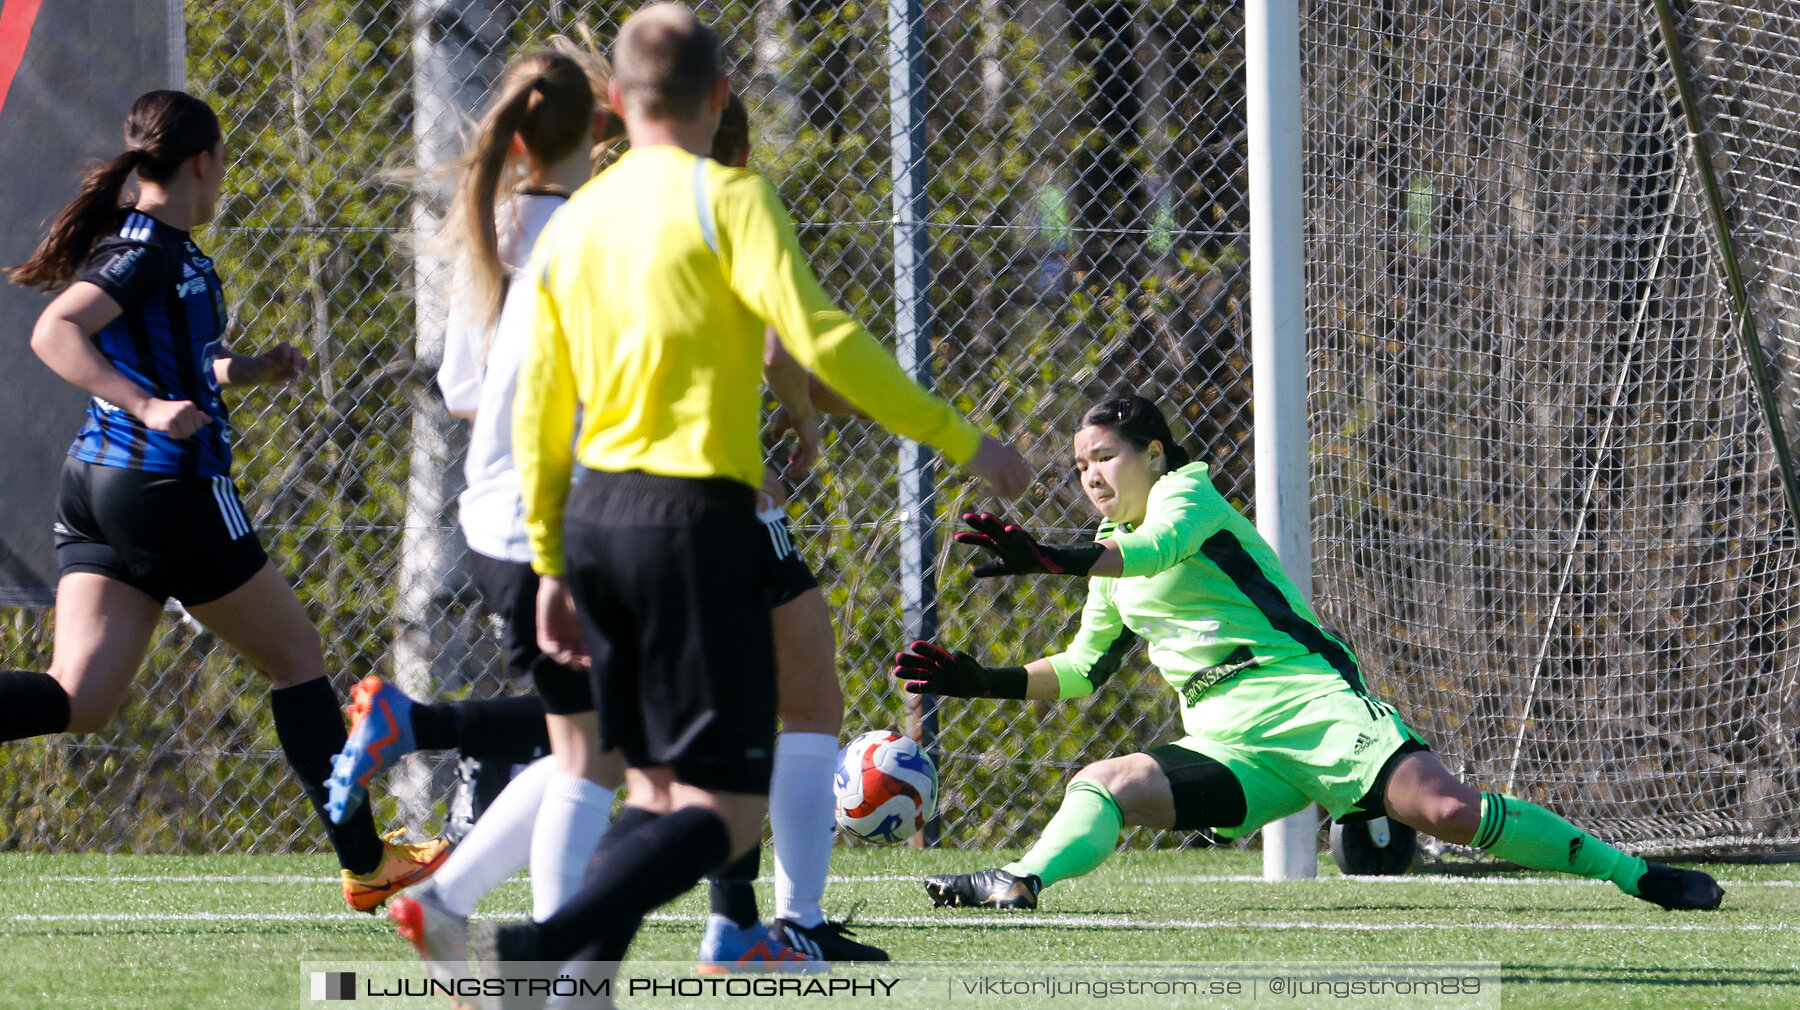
pixel 147 510
pixel 168 343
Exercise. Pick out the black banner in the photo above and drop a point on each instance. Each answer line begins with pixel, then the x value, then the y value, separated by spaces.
pixel 69 71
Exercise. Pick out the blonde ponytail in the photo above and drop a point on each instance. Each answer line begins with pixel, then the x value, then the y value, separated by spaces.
pixel 545 100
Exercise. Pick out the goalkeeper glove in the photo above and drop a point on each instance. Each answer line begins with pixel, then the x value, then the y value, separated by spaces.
pixel 1018 554
pixel 927 669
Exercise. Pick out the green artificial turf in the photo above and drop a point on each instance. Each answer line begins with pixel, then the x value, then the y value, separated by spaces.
pixel 232 931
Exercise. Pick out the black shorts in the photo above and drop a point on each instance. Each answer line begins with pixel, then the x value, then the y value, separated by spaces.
pixel 673 581
pixel 792 577
pixel 165 534
pixel 509 589
pixel 1205 792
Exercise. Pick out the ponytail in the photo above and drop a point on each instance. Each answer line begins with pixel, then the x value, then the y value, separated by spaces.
pixel 162 130
pixel 545 99
pixel 92 213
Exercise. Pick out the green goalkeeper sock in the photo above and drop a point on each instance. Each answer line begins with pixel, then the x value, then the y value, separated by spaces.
pixel 1078 839
pixel 1527 834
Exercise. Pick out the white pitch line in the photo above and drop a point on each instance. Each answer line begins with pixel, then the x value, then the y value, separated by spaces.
pixel 181 879
pixel 1019 920
pixel 193 917
pixel 1027 919
pixel 1434 878
pixel 1425 879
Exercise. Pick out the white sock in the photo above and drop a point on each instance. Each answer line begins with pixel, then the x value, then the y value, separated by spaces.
pixel 801 816
pixel 497 846
pixel 569 827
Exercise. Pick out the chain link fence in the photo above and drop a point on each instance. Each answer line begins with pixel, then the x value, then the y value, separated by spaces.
pixel 1503 236
pixel 1087 232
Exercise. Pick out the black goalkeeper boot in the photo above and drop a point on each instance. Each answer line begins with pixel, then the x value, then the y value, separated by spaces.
pixel 987 889
pixel 1675 888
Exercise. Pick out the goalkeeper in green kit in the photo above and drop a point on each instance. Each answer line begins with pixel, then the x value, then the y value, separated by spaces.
pixel 1274 708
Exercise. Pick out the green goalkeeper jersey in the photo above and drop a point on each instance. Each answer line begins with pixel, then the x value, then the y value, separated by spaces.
pixel 1208 596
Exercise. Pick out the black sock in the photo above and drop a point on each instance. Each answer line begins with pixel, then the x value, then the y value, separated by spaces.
pixel 607 948
pixel 655 865
pixel 31 704
pixel 509 730
pixel 629 819
pixel 436 725
pixel 311 729
pixel 732 894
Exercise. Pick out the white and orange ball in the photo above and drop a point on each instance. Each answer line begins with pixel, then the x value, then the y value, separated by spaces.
pixel 886 787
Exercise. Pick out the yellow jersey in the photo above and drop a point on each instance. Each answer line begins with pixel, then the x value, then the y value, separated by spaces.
pixel 652 288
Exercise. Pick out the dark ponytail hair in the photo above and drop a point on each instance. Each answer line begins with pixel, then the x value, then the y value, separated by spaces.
pixel 1139 422
pixel 162 130
pixel 732 139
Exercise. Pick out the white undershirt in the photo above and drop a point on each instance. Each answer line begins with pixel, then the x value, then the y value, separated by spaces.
pixel 493 514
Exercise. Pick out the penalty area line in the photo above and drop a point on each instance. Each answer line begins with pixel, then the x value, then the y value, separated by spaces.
pixel 961 921
pixel 1404 880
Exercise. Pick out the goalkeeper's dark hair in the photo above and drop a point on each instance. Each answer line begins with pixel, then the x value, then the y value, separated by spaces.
pixel 1139 422
pixel 731 142
pixel 163 130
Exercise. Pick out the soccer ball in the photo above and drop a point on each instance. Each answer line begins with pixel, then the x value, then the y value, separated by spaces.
pixel 886 787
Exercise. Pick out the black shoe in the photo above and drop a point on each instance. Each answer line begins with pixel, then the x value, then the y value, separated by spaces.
pixel 987 889
pixel 1674 888
pixel 828 941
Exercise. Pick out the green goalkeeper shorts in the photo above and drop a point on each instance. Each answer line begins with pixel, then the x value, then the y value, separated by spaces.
pixel 1288 735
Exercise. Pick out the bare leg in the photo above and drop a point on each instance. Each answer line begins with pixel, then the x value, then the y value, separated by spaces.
pixel 264 622
pixel 103 629
pixel 1422 794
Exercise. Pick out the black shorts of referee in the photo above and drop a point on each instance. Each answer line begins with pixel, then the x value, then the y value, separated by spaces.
pixel 673 580
pixel 167 535
pixel 509 589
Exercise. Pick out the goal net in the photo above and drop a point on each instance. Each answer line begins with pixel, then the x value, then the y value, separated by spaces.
pixel 1547 497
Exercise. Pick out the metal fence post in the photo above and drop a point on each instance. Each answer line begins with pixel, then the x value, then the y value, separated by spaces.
pixel 912 346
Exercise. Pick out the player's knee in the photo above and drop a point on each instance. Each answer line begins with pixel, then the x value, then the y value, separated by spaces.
pixel 90 710
pixel 605 769
pixel 296 661
pixel 1112 775
pixel 1446 815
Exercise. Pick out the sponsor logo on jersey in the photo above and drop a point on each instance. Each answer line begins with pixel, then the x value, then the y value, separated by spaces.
pixel 190 287
pixel 120 266
pixel 1242 658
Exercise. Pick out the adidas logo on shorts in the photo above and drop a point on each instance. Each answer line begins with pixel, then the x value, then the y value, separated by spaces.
pixel 1363 742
